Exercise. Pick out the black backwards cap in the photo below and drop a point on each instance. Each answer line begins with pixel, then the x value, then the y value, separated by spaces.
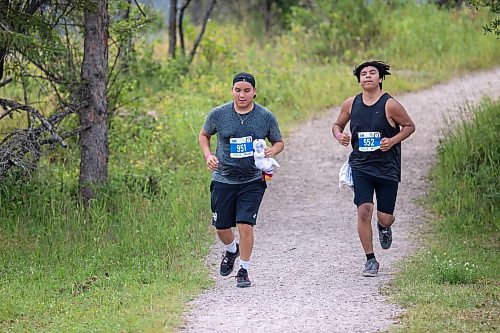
pixel 245 77
pixel 382 67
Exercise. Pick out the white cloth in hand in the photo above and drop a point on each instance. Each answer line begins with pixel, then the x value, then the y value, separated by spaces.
pixel 345 176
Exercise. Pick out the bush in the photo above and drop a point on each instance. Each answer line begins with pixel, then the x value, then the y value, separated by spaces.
pixel 334 28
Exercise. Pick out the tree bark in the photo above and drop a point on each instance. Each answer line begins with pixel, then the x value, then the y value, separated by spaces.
pixel 4 7
pixel 202 31
pixel 172 28
pixel 180 26
pixel 127 46
pixel 94 150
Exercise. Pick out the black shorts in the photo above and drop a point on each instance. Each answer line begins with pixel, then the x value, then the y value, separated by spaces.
pixel 236 203
pixel 386 191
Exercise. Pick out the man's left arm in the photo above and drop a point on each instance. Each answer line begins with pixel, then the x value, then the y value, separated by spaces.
pixel 276 148
pixel 397 113
pixel 274 137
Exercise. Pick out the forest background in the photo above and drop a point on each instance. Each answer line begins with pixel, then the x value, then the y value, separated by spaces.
pixel 130 257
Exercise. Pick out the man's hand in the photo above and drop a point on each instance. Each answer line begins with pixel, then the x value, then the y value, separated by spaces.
pixel 386 144
pixel 275 149
pixel 268 152
pixel 212 162
pixel 343 138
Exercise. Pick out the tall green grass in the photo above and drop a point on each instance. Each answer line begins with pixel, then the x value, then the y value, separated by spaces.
pixel 131 260
pixel 424 44
pixel 125 264
pixel 452 285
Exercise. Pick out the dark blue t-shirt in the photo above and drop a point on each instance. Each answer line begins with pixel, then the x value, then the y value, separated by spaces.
pixel 234 140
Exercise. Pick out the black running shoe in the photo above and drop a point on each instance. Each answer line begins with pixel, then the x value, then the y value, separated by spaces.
pixel 242 280
pixel 385 236
pixel 227 263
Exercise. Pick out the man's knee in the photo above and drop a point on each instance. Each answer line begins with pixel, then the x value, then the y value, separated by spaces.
pixel 384 219
pixel 245 228
pixel 365 211
pixel 225 235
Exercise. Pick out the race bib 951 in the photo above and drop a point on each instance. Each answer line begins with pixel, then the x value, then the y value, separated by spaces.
pixel 241 147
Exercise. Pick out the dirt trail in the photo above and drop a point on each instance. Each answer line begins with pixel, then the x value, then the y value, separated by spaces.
pixel 307 258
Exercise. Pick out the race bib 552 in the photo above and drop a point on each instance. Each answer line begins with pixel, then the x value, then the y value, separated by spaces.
pixel 369 141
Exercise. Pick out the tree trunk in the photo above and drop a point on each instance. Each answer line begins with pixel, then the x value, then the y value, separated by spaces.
pixel 172 36
pixel 202 30
pixel 4 7
pixel 94 150
pixel 180 22
pixel 127 45
pixel 268 5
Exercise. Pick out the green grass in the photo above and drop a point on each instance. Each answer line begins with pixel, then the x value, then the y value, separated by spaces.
pixel 128 263
pixel 426 47
pixel 131 261
pixel 452 284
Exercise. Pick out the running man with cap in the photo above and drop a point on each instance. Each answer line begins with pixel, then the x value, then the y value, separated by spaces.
pixel 378 124
pixel 237 185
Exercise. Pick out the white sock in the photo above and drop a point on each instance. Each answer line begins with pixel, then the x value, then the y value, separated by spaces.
pixel 231 247
pixel 244 264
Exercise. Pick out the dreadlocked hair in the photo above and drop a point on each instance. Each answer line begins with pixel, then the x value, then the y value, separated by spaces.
pixel 382 67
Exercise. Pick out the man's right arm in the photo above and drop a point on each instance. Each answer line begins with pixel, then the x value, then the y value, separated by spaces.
pixel 342 120
pixel 204 140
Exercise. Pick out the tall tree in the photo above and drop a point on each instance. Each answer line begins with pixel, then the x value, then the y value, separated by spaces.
pixel 57 52
pixel 94 150
pixel 175 28
pixel 268 5
pixel 127 45
pixel 172 35
pixel 202 30
pixel 181 27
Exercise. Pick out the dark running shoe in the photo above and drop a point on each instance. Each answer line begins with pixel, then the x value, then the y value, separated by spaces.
pixel 385 236
pixel 227 263
pixel 242 280
pixel 371 268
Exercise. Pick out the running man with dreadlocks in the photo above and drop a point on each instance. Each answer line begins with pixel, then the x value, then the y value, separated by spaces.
pixel 378 124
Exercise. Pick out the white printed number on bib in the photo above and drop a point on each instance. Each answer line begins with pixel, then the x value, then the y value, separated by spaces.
pixel 241 147
pixel 369 141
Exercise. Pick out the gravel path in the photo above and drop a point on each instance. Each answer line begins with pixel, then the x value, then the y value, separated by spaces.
pixel 307 258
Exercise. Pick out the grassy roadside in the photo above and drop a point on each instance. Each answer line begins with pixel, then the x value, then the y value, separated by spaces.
pixel 128 264
pixel 453 284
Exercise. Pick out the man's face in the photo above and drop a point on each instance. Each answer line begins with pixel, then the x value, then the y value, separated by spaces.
pixel 369 78
pixel 243 93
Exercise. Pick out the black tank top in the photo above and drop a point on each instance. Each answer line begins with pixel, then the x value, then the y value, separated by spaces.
pixel 372 118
